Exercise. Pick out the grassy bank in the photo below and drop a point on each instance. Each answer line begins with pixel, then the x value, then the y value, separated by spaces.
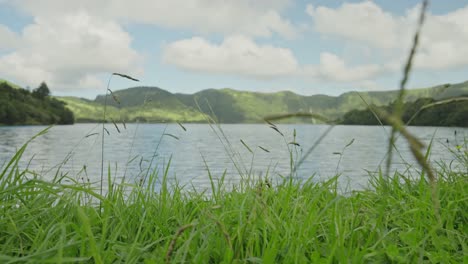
pixel 292 222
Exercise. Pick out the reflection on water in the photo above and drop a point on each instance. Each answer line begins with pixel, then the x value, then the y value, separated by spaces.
pixel 76 150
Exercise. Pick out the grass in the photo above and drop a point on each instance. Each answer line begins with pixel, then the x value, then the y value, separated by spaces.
pixel 60 221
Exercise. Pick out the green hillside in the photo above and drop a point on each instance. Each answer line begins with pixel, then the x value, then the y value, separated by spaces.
pixel 142 104
pixel 152 104
pixel 22 107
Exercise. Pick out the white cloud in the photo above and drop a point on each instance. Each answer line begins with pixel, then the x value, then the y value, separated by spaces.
pixel 8 38
pixel 71 42
pixel 248 17
pixel 365 22
pixel 237 55
pixel 443 42
pixel 68 51
pixel 332 68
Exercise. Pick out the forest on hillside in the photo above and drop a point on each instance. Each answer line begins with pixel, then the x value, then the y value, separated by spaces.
pixel 422 112
pixel 23 107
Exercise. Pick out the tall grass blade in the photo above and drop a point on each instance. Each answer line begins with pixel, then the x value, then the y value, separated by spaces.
pixel 180 124
pixel 399 103
pixel 126 76
pixel 245 145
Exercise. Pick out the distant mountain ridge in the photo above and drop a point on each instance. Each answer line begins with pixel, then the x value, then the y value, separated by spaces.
pixel 153 104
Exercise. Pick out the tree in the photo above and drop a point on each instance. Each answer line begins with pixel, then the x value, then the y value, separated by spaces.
pixel 42 91
pixel 14 114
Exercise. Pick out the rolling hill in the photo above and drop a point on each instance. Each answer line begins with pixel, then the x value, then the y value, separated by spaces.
pixel 152 104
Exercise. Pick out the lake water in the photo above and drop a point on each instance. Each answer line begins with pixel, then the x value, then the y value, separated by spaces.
pixel 77 150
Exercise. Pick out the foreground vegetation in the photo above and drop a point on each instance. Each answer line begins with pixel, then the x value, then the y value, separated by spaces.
pixel 23 107
pixel 64 220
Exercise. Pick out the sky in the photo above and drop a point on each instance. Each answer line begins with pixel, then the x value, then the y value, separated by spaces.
pixel 184 46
